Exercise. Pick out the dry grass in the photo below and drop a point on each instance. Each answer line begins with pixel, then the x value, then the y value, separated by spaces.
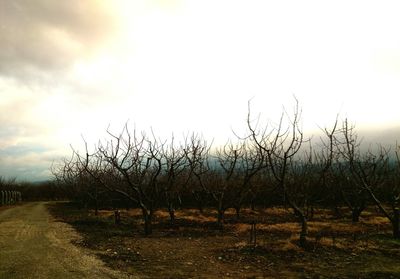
pixel 280 228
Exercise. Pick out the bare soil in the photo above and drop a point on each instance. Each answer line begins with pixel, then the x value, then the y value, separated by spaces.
pixel 194 247
pixel 34 245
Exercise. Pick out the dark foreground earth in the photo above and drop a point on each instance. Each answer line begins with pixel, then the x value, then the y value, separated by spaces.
pixel 194 247
pixel 59 240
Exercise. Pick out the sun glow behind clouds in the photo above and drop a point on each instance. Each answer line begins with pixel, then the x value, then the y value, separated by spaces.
pixel 190 57
pixel 187 65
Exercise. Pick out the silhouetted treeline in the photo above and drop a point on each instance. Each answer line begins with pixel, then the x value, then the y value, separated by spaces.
pixel 35 191
pixel 272 164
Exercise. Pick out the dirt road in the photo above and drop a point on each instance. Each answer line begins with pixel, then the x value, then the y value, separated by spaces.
pixel 34 245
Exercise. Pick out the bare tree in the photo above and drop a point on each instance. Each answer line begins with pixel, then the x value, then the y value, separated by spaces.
pixel 324 168
pixel 353 193
pixel 129 165
pixel 138 160
pixel 302 180
pixel 174 168
pixel 228 159
pixel 69 174
pixel 237 165
pixel 250 164
pixel 197 153
pixel 279 146
pixel 371 172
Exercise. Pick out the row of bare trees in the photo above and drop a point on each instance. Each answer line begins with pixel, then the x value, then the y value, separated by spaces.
pixel 12 191
pixel 270 162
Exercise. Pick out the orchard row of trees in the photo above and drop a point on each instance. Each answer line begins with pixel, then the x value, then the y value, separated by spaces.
pixel 12 191
pixel 268 165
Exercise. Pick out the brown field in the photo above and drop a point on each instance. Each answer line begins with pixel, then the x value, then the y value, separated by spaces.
pixel 196 248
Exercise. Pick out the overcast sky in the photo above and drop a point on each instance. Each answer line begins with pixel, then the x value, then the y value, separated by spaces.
pixel 72 68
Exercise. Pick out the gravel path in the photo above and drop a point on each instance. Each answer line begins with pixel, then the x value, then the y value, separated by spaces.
pixel 34 245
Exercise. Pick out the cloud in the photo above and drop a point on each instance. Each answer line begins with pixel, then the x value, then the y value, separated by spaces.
pixel 45 35
pixel 18 121
pixel 28 161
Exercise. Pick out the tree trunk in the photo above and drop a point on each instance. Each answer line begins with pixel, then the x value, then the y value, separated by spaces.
pixel 396 224
pixel 171 209
pixel 253 207
pixel 221 212
pixel 310 212
pixel 147 218
pixel 355 215
pixel 96 207
pixel 336 211
pixel 304 231
pixel 200 207
pixel 237 209
pixel 199 200
pixel 171 212
pixel 220 219
pixel 117 217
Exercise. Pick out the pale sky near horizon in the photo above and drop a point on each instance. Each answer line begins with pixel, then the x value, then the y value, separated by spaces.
pixel 72 68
